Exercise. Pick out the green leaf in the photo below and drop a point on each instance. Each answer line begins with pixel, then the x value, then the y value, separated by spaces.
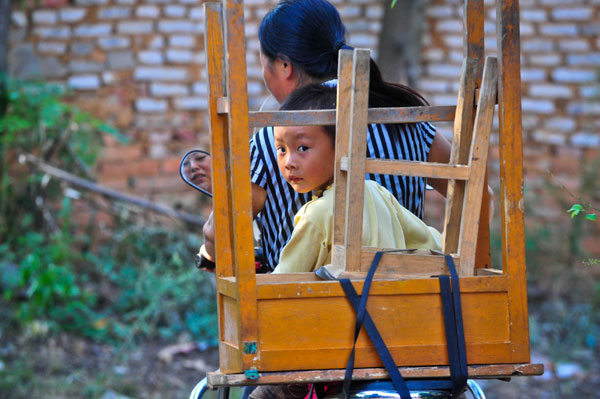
pixel 591 216
pixel 393 3
pixel 575 209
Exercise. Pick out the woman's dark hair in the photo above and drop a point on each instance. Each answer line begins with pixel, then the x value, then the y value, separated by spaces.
pixel 313 96
pixel 309 34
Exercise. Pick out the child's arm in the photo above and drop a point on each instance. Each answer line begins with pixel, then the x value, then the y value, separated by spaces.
pixel 417 234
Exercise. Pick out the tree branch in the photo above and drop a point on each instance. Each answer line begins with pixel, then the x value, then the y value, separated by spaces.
pixel 105 191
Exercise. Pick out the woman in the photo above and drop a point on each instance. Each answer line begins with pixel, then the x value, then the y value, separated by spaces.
pixel 300 41
pixel 196 168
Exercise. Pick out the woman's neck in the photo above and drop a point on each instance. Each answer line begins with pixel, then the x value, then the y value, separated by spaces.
pixel 305 79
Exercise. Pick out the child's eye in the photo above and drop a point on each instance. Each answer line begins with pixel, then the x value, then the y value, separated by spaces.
pixel 302 148
pixel 281 150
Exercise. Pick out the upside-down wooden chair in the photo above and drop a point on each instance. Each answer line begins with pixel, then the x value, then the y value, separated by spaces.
pixel 296 328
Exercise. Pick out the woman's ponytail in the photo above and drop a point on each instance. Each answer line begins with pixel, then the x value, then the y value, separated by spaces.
pixel 386 94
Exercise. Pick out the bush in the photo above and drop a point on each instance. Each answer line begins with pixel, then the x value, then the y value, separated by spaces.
pixel 137 284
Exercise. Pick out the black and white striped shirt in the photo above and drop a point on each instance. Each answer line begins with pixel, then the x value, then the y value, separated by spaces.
pixel 277 218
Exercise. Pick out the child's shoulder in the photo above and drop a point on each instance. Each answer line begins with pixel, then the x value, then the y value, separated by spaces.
pixel 376 188
pixel 318 208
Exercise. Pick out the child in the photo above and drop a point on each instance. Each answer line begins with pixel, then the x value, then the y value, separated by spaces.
pixel 306 156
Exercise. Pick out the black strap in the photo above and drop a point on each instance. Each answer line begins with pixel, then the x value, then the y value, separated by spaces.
pixel 362 316
pixel 311 391
pixel 382 350
pixel 453 323
pixel 452 311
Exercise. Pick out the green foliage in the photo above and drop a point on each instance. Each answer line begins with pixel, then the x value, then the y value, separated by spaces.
pixel 157 291
pixel 37 118
pixel 563 288
pixel 39 122
pixel 590 187
pixel 46 286
pixel 576 209
pixel 15 380
pixel 139 283
pixel 39 259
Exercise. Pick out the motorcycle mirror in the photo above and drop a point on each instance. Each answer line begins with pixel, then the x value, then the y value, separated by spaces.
pixel 195 170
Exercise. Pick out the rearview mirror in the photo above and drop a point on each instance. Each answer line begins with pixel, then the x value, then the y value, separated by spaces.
pixel 195 170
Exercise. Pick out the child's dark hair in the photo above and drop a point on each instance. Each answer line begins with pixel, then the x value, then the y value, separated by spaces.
pixel 313 96
pixel 309 34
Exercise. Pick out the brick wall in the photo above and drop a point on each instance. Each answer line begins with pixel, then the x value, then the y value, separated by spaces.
pixel 140 65
pixel 560 43
pixel 560 70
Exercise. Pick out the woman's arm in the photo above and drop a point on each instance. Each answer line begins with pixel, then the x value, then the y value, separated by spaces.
pixel 259 196
pixel 440 153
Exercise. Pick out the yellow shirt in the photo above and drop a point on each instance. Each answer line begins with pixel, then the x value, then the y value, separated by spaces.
pixel 386 224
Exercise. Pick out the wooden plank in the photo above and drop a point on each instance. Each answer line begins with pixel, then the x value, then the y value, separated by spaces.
pixel 219 144
pixel 413 338
pixel 417 262
pixel 411 114
pixel 239 185
pixel 292 118
pixel 230 356
pixel 274 288
pixel 511 172
pixel 475 49
pixel 461 143
pixel 219 137
pixel 392 275
pixel 227 286
pixel 328 117
pixel 341 150
pixel 406 356
pixel 217 379
pixel 488 272
pixel 474 22
pixel 357 148
pixel 478 163
pixel 483 256
pixel 412 168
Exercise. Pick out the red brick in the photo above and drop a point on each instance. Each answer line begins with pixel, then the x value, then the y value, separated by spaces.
pixel 591 245
pixel 562 165
pixel 105 220
pixel 185 135
pixel 109 170
pixel 171 165
pixel 591 154
pixel 54 3
pixel 161 185
pixel 122 153
pixel 114 181
pixel 136 168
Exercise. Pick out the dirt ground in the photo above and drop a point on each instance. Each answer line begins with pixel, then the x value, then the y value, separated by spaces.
pixel 66 367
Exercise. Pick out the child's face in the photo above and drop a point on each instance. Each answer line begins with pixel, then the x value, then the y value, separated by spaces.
pixel 306 156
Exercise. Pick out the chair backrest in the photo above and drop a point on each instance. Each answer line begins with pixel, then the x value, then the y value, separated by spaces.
pixel 466 171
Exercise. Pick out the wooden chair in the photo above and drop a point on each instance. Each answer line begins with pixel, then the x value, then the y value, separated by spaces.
pixel 295 328
pixel 468 165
